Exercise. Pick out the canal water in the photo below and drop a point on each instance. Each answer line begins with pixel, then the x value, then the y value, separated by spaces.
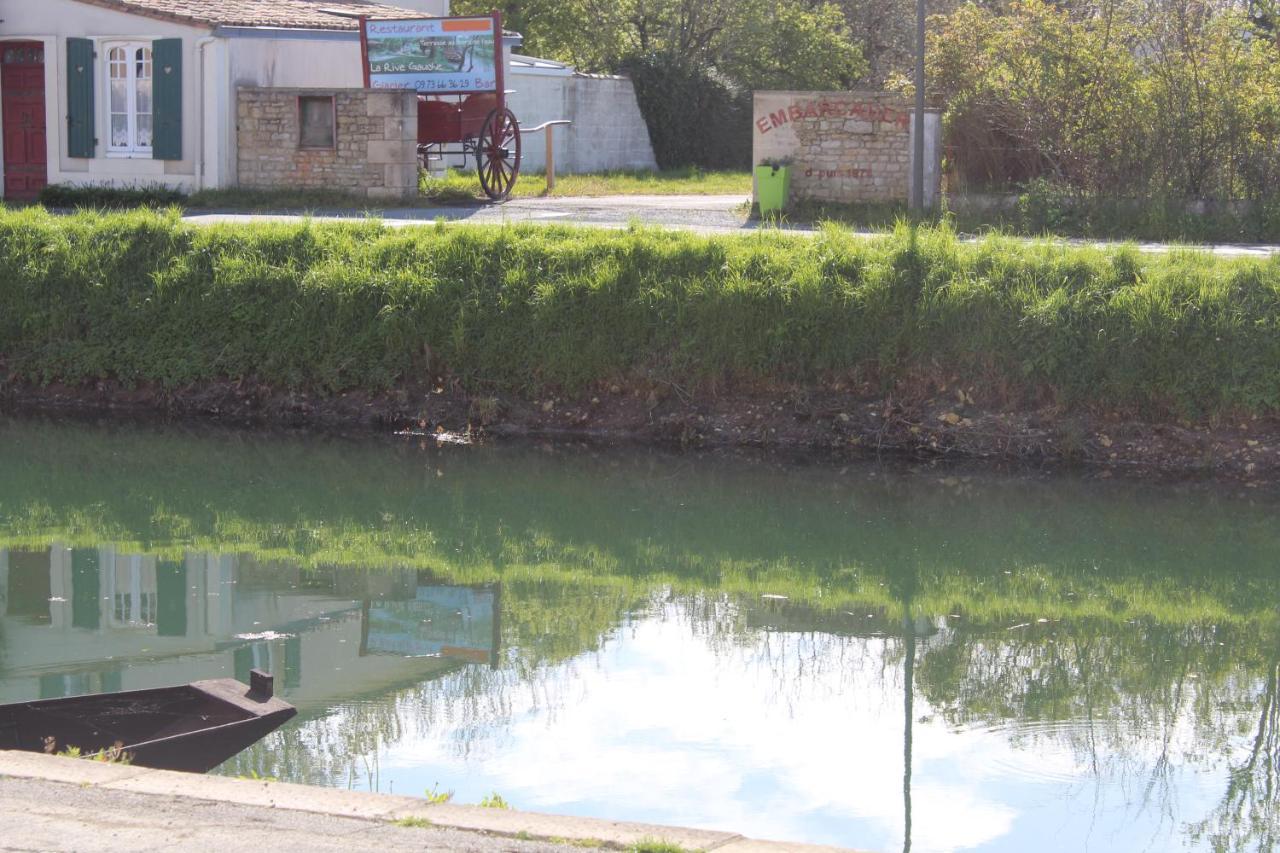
pixel 858 654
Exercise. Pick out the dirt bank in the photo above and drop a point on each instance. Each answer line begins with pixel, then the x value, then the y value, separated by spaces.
pixel 845 422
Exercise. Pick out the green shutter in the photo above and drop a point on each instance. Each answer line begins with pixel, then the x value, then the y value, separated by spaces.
pixel 166 95
pixel 80 139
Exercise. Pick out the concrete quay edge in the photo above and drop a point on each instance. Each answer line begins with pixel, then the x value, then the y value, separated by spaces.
pixel 377 807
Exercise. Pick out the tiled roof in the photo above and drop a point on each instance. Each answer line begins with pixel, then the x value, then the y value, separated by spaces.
pixel 309 14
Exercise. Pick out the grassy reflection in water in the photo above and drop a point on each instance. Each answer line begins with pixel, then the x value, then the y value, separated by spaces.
pixel 633 523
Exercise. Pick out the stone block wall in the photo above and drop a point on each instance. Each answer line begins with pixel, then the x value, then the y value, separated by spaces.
pixel 375 153
pixel 845 146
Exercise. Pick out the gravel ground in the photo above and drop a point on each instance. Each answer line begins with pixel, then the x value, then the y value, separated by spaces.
pixel 37 815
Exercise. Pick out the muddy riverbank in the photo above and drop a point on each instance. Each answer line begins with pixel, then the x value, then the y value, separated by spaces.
pixel 841 423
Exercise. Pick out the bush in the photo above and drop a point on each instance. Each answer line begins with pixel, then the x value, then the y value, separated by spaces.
pixel 143 297
pixel 1116 101
pixel 695 118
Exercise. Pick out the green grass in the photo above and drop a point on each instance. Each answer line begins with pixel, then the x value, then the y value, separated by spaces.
pixel 458 186
pixel 144 298
pixel 455 187
pixel 587 843
pixel 654 845
pixel 64 197
pixel 1038 214
pixel 269 200
pixel 413 822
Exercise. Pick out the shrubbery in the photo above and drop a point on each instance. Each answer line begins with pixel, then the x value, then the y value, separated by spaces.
pixel 694 115
pixel 143 297
pixel 1172 100
pixel 106 197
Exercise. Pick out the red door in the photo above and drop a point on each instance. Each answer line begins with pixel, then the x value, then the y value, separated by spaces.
pixel 22 104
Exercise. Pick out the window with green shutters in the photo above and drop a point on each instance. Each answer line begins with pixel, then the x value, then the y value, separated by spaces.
pixel 81 141
pixel 166 105
pixel 129 113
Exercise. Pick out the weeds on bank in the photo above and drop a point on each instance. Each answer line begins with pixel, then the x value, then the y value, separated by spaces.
pixel 114 754
pixel 413 822
pixel 586 843
pixel 436 797
pixel 654 845
pixel 494 801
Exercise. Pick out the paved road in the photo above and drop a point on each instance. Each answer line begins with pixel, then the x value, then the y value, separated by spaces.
pixel 51 803
pixel 54 816
pixel 718 214
pixel 709 214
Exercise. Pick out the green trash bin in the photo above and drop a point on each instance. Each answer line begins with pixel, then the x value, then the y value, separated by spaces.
pixel 772 185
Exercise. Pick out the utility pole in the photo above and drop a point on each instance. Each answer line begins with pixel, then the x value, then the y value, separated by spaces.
pixel 917 166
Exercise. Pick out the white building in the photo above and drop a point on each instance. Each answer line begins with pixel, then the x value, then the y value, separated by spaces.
pixel 143 91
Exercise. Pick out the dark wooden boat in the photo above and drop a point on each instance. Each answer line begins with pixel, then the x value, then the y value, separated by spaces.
pixel 194 727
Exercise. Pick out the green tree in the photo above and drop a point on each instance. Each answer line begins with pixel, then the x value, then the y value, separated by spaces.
pixel 754 44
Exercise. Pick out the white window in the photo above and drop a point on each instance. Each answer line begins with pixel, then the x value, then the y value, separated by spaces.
pixel 129 99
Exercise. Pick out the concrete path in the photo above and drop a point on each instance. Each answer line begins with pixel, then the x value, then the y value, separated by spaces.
pixel 49 803
pixel 711 213
pixel 707 214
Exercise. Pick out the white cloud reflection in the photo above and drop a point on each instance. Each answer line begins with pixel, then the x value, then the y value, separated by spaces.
pixel 802 743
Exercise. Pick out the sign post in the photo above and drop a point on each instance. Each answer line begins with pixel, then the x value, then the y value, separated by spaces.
pixel 433 56
pixel 917 165
pixel 455 65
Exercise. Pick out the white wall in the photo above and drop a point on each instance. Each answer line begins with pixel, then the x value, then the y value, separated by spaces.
pixel 52 22
pixel 323 61
pixel 428 8
pixel 607 133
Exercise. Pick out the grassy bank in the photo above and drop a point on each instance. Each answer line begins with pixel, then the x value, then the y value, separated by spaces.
pixel 144 298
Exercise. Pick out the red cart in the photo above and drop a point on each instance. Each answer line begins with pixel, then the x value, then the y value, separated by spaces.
pixel 456 66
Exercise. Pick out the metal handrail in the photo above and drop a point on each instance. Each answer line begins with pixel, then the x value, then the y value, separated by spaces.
pixel 545 125
pixel 549 127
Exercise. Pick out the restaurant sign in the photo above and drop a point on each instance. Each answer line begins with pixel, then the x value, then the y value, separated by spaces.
pixel 431 55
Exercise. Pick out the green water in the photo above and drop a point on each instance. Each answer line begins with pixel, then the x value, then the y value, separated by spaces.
pixel 863 654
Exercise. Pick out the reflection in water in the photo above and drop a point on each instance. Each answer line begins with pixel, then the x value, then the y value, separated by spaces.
pixel 1049 664
pixel 80 620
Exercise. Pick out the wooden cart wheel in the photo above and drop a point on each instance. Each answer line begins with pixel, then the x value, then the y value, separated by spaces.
pixel 498 153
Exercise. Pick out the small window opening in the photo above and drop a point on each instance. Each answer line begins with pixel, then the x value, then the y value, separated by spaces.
pixel 317 121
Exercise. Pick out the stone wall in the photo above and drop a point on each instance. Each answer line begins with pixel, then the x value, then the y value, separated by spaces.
pixel 845 146
pixel 375 155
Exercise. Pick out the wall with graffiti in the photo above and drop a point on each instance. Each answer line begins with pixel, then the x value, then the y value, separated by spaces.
pixel 844 146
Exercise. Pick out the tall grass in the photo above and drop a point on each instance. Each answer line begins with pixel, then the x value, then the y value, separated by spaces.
pixel 145 298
